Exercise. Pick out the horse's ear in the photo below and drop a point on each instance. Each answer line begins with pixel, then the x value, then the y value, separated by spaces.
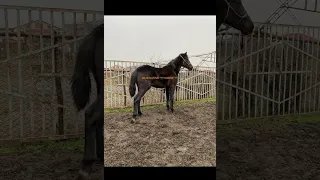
pixel 185 53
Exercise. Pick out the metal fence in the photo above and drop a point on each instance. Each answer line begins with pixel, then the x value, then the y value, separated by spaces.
pixel 272 72
pixel 199 83
pixel 37 53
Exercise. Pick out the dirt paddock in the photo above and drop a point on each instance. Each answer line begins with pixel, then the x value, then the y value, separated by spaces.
pixel 276 148
pixel 160 138
pixel 49 161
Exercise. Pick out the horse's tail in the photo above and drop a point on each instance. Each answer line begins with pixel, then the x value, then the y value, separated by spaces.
pixel 133 80
pixel 81 83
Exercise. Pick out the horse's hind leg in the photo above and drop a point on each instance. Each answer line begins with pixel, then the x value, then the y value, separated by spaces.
pixel 100 139
pixel 137 100
pixel 139 110
pixel 91 118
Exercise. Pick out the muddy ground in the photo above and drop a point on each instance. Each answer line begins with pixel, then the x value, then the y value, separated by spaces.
pixel 160 138
pixel 272 149
pixel 52 162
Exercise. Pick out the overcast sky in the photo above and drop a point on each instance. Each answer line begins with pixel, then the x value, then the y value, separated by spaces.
pixel 139 38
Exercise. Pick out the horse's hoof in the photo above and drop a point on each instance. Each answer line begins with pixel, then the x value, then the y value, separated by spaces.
pixel 140 114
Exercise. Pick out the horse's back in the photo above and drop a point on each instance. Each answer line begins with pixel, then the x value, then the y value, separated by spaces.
pixel 144 67
pixel 147 70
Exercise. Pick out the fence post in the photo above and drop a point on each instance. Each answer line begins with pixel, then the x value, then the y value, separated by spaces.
pixel 124 89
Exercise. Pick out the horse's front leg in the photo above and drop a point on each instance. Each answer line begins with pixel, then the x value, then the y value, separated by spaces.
pixel 171 95
pixel 167 91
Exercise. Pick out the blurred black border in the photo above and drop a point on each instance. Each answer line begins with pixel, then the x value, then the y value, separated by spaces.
pixel 203 173
pixel 179 7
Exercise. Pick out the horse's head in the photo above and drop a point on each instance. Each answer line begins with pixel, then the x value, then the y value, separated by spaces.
pixel 185 61
pixel 235 15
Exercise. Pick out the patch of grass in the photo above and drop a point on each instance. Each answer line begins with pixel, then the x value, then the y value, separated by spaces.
pixel 176 104
pixel 268 123
pixel 74 144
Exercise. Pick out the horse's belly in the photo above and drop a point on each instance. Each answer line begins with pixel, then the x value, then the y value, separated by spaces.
pixel 158 84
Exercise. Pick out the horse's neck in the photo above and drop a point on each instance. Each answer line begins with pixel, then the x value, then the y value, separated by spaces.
pixel 177 70
pixel 175 66
pixel 221 16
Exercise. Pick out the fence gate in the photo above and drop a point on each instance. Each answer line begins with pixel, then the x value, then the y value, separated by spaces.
pixel 37 54
pixel 275 71
pixel 196 84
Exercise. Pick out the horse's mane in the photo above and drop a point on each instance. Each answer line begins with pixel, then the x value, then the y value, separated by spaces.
pixel 173 62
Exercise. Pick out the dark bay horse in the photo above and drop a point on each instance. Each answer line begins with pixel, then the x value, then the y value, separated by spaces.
pixel 90 58
pixel 166 77
pixel 232 13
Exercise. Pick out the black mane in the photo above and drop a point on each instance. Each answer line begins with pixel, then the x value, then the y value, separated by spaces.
pixel 175 64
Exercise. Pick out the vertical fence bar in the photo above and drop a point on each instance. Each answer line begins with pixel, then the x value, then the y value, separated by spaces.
pixel 275 70
pixel 30 49
pixel 182 90
pixel 245 40
pixel 305 4
pixel 269 68
pixel 42 71
pixel 73 45
pixel 286 69
pixel 296 74
pixel 237 77
pixel 291 75
pixel 230 77
pixel 263 69
pixel 63 40
pixel 53 70
pixel 280 92
pixel 219 92
pixel 314 65
pixel 257 76
pixel 250 76
pixel 307 83
pixel 318 52
pixel 304 66
pixel 20 75
pixel 111 84
pixel 224 77
pixel 8 72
